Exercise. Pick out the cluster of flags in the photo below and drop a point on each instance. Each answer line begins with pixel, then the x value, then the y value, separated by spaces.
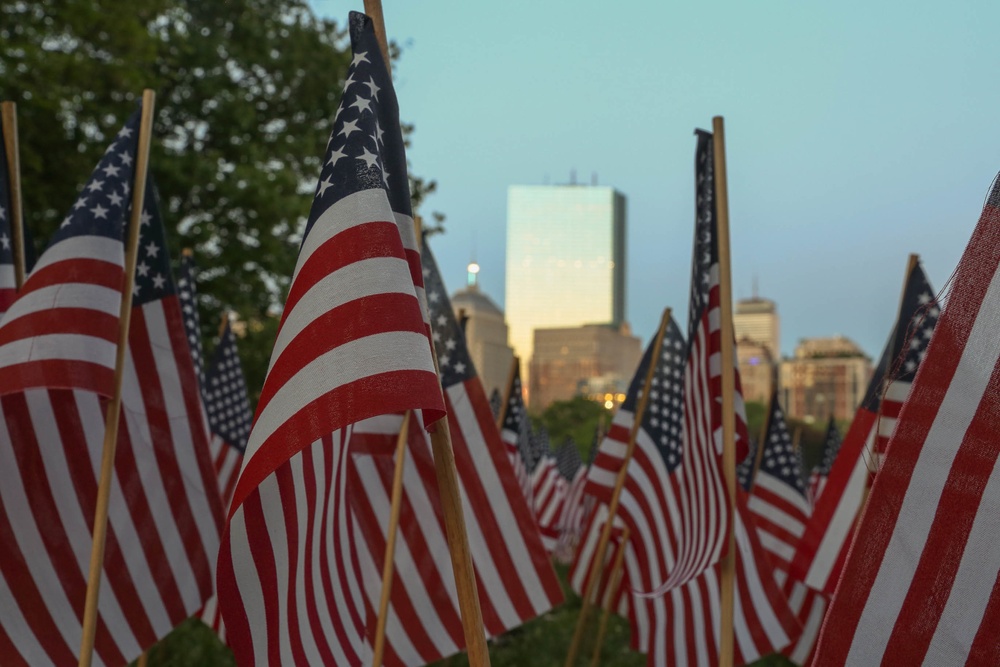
pixel 278 528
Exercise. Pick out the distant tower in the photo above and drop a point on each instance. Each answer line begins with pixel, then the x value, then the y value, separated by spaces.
pixel 485 332
pixel 565 259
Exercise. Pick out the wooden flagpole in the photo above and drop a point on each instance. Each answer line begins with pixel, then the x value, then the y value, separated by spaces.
pixel 728 361
pixel 8 111
pixel 114 405
pixel 388 566
pixel 873 461
pixel 505 404
pixel 617 570
pixel 602 543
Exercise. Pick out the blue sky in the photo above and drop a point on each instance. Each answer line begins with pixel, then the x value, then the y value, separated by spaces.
pixel 857 132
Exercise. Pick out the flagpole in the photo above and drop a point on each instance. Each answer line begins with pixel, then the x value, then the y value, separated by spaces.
pixel 728 361
pixel 8 110
pixel 114 405
pixel 911 264
pixel 502 412
pixel 602 544
pixel 388 565
pixel 617 569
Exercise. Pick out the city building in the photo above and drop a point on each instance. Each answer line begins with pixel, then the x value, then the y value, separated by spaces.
pixel 757 319
pixel 758 346
pixel 485 333
pixel 565 259
pixel 758 370
pixel 826 376
pixel 595 360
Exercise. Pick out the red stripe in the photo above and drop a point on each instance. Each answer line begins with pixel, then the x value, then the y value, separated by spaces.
pixel 349 403
pixel 372 531
pixel 68 422
pixel 164 449
pixel 13 561
pixel 365 241
pixel 985 649
pixel 348 322
pixel 100 273
pixel 193 407
pixel 851 450
pixel 57 374
pixel 60 321
pixel 290 511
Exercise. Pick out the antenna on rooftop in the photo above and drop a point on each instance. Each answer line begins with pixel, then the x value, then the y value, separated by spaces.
pixel 572 176
pixel 755 287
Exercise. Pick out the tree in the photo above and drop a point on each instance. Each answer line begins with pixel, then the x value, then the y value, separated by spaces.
pixel 577 419
pixel 246 92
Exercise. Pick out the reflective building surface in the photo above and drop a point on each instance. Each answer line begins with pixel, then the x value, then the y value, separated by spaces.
pixel 565 259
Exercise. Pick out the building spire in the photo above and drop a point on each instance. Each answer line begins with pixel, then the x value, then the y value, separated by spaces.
pixel 473 276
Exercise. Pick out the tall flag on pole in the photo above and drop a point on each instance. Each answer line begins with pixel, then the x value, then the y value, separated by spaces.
pixel 352 345
pixel 920 585
pixel 680 627
pixel 515 580
pixel 164 517
pixel 63 330
pixel 8 284
pixel 781 511
pixel 187 292
pixel 823 548
pixel 819 474
pixel 515 431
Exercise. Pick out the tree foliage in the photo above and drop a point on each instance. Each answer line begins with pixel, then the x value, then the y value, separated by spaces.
pixel 246 92
pixel 577 419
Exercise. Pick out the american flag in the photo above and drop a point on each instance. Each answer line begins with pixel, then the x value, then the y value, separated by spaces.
pixel 352 345
pixel 617 597
pixel 681 626
pixel 515 431
pixel 515 580
pixel 8 285
pixel 831 446
pixel 548 490
pixel 781 511
pixel 823 547
pixel 63 330
pixel 164 515
pixel 187 292
pixel 745 469
pixel 575 507
pixel 920 585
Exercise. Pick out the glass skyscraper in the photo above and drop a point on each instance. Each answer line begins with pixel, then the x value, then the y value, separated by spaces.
pixel 565 259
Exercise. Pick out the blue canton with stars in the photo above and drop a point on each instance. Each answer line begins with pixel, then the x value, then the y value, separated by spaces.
pixel 6 215
pixel 187 295
pixel 454 361
pixel 706 248
pixel 516 418
pixel 664 416
pixel 744 469
pixel 539 446
pixel 779 459
pixel 103 206
pixel 226 402
pixel 365 150
pixel 568 459
pixel 153 277
pixel 831 447
pixel 918 315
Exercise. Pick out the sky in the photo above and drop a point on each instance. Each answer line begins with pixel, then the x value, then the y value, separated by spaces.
pixel 856 133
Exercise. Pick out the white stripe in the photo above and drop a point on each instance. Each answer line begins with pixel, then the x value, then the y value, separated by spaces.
pixel 68 347
pixel 248 583
pixel 487 476
pixel 898 391
pixel 66 295
pixel 962 617
pixel 776 515
pixel 356 359
pixel 790 495
pixel 927 483
pixel 82 247
pixel 774 545
pixel 841 524
pixel 357 280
